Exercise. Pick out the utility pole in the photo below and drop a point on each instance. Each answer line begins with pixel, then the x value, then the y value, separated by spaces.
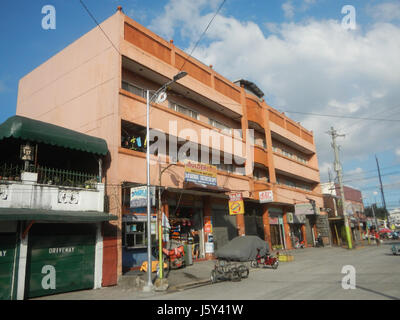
pixel 382 193
pixel 338 169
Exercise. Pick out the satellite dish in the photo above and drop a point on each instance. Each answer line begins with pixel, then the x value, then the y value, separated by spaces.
pixel 161 97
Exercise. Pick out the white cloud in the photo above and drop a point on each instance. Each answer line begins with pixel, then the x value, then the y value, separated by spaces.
pixel 288 9
pixel 311 66
pixel 387 12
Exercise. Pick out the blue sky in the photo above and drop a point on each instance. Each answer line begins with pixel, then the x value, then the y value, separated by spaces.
pixel 295 51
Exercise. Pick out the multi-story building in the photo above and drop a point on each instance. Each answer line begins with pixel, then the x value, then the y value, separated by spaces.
pixel 98 85
pixel 354 208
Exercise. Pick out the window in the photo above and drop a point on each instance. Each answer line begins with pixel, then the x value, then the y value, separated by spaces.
pixel 275 149
pixel 261 143
pixel 220 126
pixel 134 89
pixel 135 234
pixel 260 174
pixel 225 167
pixel 184 110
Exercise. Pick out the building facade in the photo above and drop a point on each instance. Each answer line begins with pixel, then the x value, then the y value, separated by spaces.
pixel 51 209
pixel 99 88
pixel 354 208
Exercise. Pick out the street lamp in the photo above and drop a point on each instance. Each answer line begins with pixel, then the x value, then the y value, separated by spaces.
pixel 160 96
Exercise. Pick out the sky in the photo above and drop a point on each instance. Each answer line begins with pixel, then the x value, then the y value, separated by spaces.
pixel 301 53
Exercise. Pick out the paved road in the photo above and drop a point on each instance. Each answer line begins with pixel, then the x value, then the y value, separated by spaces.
pixel 314 274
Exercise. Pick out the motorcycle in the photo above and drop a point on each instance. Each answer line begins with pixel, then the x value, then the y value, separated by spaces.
pixel 173 255
pixel 299 244
pixel 266 260
pixel 319 242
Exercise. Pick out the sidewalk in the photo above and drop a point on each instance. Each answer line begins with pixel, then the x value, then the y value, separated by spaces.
pixel 130 284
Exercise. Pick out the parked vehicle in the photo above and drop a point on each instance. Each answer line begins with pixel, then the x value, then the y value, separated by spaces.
pixel 319 242
pixel 299 244
pixel 396 249
pixel 173 255
pixel 265 260
pixel 227 270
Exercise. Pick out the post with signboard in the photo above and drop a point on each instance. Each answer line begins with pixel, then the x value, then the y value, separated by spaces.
pixel 236 207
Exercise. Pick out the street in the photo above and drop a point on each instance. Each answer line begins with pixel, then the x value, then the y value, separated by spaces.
pixel 315 274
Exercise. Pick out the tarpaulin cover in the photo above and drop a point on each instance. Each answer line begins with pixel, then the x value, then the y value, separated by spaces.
pixel 242 248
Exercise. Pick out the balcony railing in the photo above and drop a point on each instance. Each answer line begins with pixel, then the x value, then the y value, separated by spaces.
pixel 51 176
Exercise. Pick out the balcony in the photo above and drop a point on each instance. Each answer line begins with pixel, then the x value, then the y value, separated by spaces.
pixel 50 189
pixel 260 156
pixel 295 168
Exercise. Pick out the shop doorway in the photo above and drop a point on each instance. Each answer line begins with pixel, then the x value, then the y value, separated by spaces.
pixel 187 228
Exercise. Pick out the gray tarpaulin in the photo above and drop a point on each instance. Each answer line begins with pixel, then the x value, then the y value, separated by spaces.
pixel 242 248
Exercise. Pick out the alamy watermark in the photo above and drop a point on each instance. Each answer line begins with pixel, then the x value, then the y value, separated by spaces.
pixel 49 20
pixel 349 280
pixel 349 20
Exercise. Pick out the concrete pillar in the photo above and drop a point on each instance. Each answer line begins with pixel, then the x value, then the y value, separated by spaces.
pixel 304 234
pixel 206 215
pixel 286 229
pixel 240 224
pixel 267 229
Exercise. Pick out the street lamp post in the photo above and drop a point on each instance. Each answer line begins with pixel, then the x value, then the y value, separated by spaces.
pixel 149 99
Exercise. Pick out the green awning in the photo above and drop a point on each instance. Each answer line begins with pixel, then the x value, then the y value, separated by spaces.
pixel 38 131
pixel 26 214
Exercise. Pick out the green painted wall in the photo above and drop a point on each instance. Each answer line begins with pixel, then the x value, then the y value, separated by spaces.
pixel 7 252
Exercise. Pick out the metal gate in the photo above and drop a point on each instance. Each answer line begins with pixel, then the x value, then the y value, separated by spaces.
pixel 254 226
pixel 61 258
pixel 224 227
pixel 7 261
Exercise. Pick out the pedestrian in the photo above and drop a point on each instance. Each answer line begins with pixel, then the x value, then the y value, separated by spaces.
pixel 378 241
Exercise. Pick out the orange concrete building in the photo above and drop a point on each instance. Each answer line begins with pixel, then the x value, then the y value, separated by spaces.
pixel 99 88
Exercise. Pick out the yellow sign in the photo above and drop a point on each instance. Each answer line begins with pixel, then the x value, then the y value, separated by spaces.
pixel 236 204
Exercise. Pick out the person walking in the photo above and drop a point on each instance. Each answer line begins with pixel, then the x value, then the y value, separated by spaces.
pixel 378 241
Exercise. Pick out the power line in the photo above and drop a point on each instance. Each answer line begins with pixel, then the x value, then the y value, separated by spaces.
pixel 342 116
pixel 94 19
pixel 201 36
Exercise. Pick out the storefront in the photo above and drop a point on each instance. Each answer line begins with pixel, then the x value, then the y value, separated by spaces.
pixel 186 223
pixel 253 219
pixel 297 227
pixel 276 228
pixel 223 224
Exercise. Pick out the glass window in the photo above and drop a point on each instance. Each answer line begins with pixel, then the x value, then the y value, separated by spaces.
pixel 184 110
pixel 135 234
pixel 220 126
pixel 134 89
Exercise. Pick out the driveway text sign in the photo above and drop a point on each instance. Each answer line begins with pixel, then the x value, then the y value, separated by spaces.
pixel 266 196
pixel 201 173
pixel 139 197
pixel 236 204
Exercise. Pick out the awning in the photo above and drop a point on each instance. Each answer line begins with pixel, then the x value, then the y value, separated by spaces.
pixel 26 214
pixel 38 131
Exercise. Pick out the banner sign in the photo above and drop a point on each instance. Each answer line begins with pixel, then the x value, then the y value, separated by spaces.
pixel 139 197
pixel 296 218
pixel 303 208
pixel 266 196
pixel 207 224
pixel 236 204
pixel 201 173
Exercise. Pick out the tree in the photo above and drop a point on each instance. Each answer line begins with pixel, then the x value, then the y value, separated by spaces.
pixel 380 213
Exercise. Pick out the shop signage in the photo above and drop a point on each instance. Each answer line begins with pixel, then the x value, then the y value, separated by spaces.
pixel 201 173
pixel 209 246
pixel 290 217
pixel 273 220
pixel 266 196
pixel 207 224
pixel 303 208
pixel 139 197
pixel 236 204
